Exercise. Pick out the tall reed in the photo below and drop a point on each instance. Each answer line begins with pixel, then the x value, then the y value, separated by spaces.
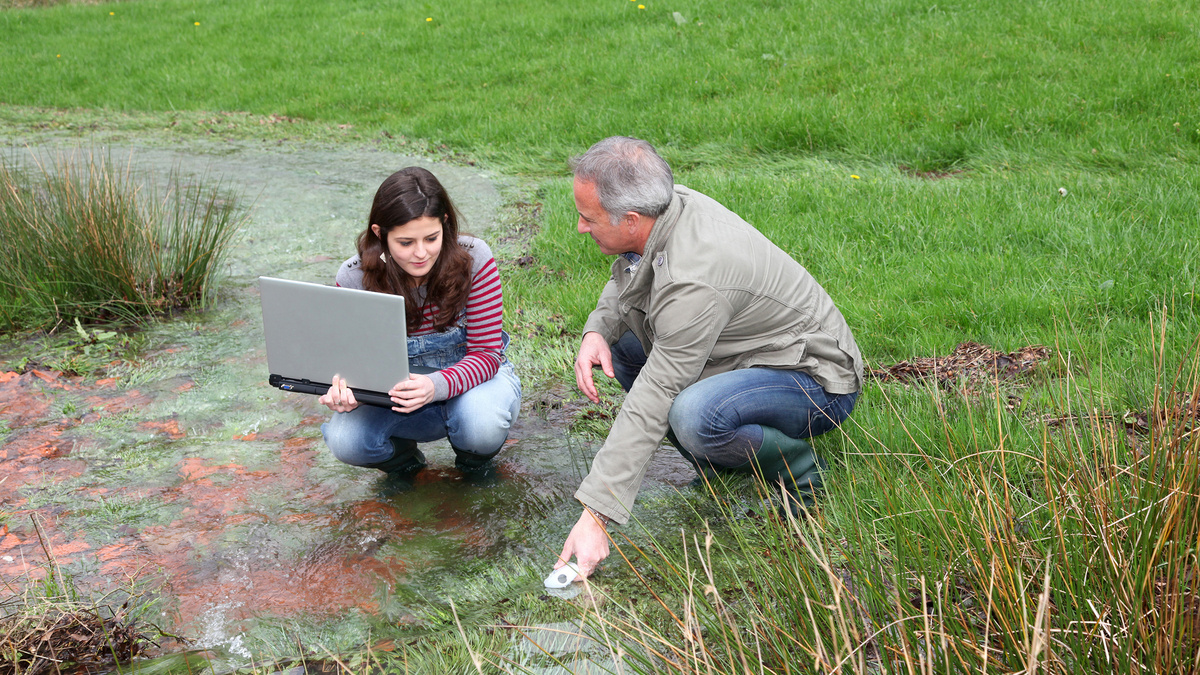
pixel 1058 544
pixel 85 238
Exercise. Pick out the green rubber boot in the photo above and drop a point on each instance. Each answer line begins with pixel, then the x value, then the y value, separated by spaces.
pixel 791 460
pixel 406 459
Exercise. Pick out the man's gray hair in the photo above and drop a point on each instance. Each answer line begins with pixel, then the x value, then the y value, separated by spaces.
pixel 629 176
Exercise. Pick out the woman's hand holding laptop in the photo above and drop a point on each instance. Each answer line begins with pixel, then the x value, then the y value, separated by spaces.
pixel 339 398
pixel 412 395
pixel 409 396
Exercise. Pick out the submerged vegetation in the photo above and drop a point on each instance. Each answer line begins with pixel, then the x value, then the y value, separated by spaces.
pixel 84 239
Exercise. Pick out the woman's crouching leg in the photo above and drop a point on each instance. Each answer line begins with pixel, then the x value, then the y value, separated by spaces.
pixel 478 420
pixel 361 437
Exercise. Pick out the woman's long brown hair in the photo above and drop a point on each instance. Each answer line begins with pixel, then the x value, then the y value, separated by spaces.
pixel 406 195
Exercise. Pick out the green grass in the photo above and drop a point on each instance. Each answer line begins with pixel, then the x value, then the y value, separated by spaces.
pixel 918 266
pixel 961 121
pixel 930 86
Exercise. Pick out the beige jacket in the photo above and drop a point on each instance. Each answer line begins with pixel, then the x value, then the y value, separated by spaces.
pixel 710 295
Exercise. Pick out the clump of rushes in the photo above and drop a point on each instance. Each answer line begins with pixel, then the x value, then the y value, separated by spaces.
pixel 85 239
pixel 1006 545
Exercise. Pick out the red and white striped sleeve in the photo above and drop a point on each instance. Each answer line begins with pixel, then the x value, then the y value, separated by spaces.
pixel 484 320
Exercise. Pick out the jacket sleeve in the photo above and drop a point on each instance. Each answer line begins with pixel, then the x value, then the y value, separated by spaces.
pixel 687 321
pixel 605 319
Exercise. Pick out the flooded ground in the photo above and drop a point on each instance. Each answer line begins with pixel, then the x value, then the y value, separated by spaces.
pixel 184 476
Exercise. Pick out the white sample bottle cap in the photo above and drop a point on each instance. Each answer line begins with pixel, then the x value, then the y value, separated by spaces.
pixel 563 576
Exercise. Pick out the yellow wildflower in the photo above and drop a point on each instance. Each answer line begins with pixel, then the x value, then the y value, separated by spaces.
pixel 641 7
pixel 429 18
pixel 197 23
pixel 854 177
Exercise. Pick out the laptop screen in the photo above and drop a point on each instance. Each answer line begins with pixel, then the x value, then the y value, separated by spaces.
pixel 314 332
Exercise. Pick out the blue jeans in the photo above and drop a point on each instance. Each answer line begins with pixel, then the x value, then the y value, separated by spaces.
pixel 476 421
pixel 719 419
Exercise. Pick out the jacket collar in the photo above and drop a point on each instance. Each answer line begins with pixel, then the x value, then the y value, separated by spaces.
pixel 663 226
pixel 638 290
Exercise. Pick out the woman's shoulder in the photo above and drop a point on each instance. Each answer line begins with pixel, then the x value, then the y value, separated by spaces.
pixel 475 246
pixel 479 251
pixel 350 274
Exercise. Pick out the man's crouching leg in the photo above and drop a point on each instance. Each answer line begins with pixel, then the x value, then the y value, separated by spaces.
pixel 757 420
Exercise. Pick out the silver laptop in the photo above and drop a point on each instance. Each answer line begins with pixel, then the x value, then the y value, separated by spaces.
pixel 314 332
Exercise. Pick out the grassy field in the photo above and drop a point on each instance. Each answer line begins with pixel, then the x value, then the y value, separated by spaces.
pixel 1008 173
pixel 927 85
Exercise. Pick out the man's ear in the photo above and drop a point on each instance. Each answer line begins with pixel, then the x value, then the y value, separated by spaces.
pixel 631 220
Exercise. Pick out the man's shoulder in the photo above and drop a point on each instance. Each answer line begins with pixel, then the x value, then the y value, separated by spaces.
pixel 699 212
pixel 704 225
pixel 711 244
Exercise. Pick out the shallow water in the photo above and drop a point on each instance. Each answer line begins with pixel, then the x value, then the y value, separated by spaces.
pixel 188 477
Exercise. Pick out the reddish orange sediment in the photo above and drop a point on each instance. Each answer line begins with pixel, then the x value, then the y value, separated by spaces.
pixel 185 558
pixel 121 403
pixel 46 375
pixel 170 428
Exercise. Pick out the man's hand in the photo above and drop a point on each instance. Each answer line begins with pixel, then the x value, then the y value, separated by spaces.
pixel 588 542
pixel 339 398
pixel 593 351
pixel 413 394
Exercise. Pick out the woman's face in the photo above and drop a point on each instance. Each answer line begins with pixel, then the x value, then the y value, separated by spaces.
pixel 415 245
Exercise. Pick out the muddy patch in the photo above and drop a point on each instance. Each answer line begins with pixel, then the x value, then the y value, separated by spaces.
pixel 971 369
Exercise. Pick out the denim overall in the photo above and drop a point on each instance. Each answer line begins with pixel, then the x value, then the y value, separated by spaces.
pixel 476 421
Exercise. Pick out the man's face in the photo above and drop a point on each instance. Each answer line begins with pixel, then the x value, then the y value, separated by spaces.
pixel 593 220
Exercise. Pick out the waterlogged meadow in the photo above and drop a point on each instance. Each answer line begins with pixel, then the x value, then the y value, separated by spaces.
pixel 1020 177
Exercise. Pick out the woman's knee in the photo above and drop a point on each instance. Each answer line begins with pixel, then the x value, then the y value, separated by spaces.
pixel 478 422
pixel 350 441
pixel 482 432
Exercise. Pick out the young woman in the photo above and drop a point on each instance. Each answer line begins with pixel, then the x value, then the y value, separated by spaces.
pixel 451 287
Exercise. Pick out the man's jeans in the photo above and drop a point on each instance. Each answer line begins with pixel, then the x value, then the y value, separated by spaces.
pixel 476 421
pixel 719 420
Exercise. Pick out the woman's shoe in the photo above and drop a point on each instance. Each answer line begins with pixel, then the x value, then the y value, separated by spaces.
pixel 406 458
pixel 470 461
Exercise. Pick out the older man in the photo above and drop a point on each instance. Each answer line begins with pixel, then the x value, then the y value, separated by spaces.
pixel 724 343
